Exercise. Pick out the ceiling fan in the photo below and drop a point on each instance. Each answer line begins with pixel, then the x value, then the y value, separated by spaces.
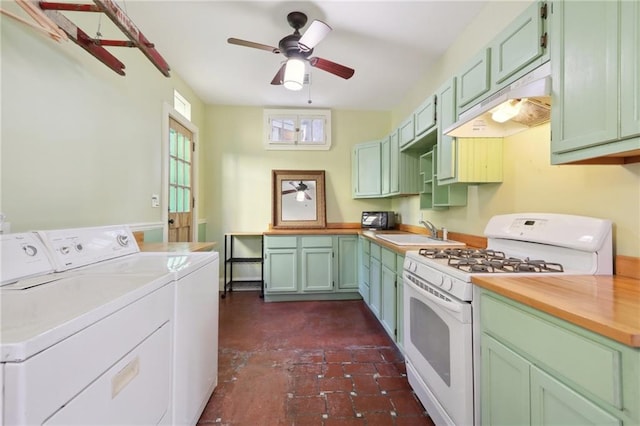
pixel 300 190
pixel 297 49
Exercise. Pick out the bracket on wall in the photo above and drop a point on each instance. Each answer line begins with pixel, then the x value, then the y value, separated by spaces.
pixel 95 46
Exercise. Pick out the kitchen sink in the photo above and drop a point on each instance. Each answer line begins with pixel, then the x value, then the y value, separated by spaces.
pixel 416 240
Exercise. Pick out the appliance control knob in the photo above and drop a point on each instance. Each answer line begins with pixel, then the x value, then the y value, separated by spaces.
pixel 65 249
pixel 123 240
pixel 439 280
pixel 30 250
pixel 79 247
pixel 414 267
pixel 447 284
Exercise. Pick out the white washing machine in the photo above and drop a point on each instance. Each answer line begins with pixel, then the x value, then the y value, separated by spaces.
pixel 195 320
pixel 82 348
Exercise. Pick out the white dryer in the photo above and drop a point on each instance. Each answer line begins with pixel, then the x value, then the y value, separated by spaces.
pixel 82 348
pixel 195 320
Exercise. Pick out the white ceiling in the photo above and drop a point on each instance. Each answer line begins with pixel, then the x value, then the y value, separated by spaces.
pixel 390 44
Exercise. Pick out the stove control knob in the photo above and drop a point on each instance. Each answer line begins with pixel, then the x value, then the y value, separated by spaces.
pixel 414 267
pixel 447 284
pixel 30 250
pixel 65 249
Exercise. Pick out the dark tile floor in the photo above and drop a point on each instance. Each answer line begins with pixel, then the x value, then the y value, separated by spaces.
pixel 307 363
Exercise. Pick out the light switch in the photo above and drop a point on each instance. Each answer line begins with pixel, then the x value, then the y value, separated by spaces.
pixel 155 200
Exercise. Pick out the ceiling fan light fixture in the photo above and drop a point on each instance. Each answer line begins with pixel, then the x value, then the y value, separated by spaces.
pixel 314 35
pixel 294 74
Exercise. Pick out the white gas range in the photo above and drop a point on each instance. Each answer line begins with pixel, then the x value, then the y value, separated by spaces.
pixel 438 297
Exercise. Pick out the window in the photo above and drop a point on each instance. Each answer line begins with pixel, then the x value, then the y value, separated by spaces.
pixel 297 129
pixel 181 105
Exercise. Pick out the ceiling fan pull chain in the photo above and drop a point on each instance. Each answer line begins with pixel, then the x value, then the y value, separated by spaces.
pixel 309 84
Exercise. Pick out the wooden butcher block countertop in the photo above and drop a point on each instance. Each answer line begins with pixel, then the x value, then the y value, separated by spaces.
pixel 608 305
pixel 176 247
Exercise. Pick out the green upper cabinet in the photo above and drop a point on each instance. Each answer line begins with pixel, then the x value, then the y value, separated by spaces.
pixel 366 170
pixel 630 69
pixel 595 79
pixel 446 108
pixel 385 166
pixel 520 44
pixel 473 81
pixel 394 163
pixel 407 131
pixel 380 169
pixel 424 117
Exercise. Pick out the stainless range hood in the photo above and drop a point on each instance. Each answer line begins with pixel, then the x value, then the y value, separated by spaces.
pixel 529 98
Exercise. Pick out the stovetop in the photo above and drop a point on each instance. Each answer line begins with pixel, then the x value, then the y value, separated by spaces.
pixel 489 261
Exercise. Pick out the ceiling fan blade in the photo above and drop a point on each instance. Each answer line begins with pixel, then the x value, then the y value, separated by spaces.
pixel 246 43
pixel 288 191
pixel 279 77
pixel 307 196
pixel 332 67
pixel 316 32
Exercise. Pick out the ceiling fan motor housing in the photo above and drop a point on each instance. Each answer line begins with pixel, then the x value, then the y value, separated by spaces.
pixel 289 46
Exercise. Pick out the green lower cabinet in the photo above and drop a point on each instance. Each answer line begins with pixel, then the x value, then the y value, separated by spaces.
pixel 388 303
pixel 553 403
pixel 506 388
pixel 375 286
pixel 310 267
pixel 347 271
pixel 317 269
pixel 539 370
pixel 363 284
pixel 281 270
pixel 399 303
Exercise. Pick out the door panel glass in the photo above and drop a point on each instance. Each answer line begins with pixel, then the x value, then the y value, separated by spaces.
pixel 431 336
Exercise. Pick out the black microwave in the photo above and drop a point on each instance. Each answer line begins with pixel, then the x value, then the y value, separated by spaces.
pixel 378 220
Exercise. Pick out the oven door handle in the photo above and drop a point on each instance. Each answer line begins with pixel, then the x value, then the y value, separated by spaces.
pixel 450 306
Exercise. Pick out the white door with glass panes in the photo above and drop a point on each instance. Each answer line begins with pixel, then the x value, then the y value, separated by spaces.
pixel 181 201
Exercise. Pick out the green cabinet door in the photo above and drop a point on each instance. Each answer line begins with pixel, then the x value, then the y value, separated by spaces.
pixel 316 266
pixel 505 385
pixel 388 302
pixel 553 403
pixel 425 116
pixel 399 305
pixel 585 78
pixel 363 279
pixel 518 45
pixel 385 166
pixel 406 132
pixel 630 69
pixel 394 163
pixel 281 270
pixel 366 169
pixel 446 107
pixel 347 269
pixel 375 286
pixel 473 81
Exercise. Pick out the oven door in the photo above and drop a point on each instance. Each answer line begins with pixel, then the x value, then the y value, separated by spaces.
pixel 438 348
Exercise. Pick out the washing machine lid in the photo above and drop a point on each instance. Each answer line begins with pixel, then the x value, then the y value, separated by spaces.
pixel 34 317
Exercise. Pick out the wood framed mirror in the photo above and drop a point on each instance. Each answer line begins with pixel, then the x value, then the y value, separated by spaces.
pixel 298 199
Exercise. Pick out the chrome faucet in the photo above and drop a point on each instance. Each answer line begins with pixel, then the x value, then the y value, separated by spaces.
pixel 431 228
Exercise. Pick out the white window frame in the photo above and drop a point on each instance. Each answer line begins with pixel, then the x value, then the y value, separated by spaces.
pixel 296 115
pixel 181 104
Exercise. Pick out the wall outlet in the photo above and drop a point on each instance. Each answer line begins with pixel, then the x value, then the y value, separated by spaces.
pixel 155 200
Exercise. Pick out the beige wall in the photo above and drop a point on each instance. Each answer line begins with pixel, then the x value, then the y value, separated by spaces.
pixel 237 167
pixel 81 145
pixel 530 183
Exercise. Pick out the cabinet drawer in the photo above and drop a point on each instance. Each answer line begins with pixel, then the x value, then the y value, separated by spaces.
pixel 586 363
pixel 389 259
pixel 375 251
pixel 316 241
pixel 280 242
